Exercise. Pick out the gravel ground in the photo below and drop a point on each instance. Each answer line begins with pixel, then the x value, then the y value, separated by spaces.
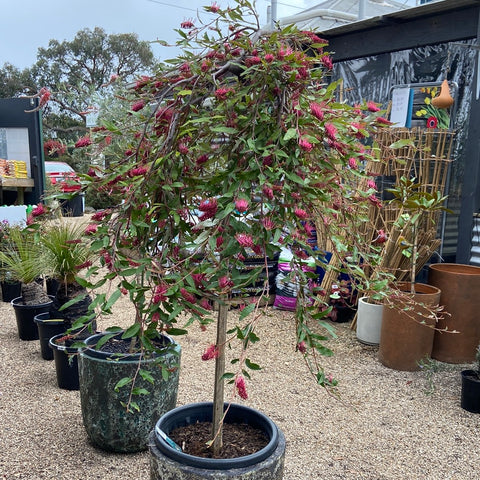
pixel 388 425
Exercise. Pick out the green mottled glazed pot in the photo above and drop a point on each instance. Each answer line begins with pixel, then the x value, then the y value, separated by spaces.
pixel 109 426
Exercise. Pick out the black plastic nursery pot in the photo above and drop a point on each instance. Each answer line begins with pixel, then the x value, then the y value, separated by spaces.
pixel 25 314
pixel 10 290
pixel 107 423
pixel 470 399
pixel 48 328
pixel 167 462
pixel 66 363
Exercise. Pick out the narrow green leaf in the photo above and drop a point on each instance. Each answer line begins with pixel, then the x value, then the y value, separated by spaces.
pixel 121 383
pixel 290 133
pixel 131 331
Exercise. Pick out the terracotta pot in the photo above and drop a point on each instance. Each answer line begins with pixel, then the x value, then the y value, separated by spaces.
pixel 405 341
pixel 460 286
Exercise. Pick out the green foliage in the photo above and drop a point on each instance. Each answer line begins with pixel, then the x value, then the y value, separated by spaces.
pixel 66 250
pixel 228 152
pixel 21 256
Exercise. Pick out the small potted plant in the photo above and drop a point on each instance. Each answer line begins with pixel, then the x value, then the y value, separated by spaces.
pixel 11 288
pixel 342 300
pixel 470 399
pixel 225 154
pixel 66 253
pixel 21 260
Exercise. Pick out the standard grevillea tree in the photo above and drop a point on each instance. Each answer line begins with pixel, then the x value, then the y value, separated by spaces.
pixel 232 150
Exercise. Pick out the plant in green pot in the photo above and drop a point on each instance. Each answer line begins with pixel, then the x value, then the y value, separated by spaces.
pixel 21 259
pixel 409 320
pixel 223 155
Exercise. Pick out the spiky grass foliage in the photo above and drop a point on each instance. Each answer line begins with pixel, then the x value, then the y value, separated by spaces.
pixel 22 259
pixel 21 256
pixel 65 251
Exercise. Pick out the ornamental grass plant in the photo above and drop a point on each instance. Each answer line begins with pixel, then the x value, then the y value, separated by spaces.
pixel 235 148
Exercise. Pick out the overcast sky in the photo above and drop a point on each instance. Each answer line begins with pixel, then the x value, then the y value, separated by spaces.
pixel 27 25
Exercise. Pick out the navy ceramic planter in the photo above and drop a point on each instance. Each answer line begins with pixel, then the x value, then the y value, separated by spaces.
pixel 166 462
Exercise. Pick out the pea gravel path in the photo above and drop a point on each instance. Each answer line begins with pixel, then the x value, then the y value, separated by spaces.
pixel 387 427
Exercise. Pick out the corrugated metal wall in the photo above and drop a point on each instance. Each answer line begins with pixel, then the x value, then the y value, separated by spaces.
pixel 475 251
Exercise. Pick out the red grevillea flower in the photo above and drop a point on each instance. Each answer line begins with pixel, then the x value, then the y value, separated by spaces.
pixel 83 142
pixel 300 213
pixel 383 121
pixel 244 239
pixel 241 205
pixel 352 163
pixel 267 223
pixel 375 201
pixel 225 282
pixel 222 93
pixel 214 8
pixel 268 192
pixel 372 107
pixel 187 24
pixel 301 347
pixel 159 294
pixel 83 265
pixel 309 229
pixel 198 279
pixel 100 215
pixel 250 61
pixel 219 241
pixel 371 184
pixel 330 131
pixel 209 208
pixel 316 110
pixel 241 388
pixel 38 210
pixel 44 96
pixel 138 105
pixel 269 58
pixel 210 353
pixel 202 159
pixel 189 297
pixel 137 172
pixel 205 304
pixel 91 228
pixel 305 145
pixel 381 237
pixel 182 148
pixel 327 62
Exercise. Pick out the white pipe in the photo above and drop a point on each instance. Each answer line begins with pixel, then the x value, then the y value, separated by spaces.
pixel 361 9
pixel 321 12
pixel 273 13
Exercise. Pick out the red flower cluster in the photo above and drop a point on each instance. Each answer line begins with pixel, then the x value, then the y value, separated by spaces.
pixel 209 208
pixel 241 388
pixel 210 353
pixel 83 142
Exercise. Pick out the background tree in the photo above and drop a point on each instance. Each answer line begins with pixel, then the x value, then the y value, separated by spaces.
pixel 15 82
pixel 77 71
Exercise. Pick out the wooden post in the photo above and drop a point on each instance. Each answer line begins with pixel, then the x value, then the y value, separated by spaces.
pixel 218 398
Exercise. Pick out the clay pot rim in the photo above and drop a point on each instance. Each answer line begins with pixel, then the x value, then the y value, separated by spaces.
pixel 456 269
